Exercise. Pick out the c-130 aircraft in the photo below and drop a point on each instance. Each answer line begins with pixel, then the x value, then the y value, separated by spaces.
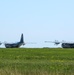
pixel 15 45
pixel 63 43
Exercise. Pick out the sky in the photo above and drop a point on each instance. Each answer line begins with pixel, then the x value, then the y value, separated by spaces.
pixel 38 20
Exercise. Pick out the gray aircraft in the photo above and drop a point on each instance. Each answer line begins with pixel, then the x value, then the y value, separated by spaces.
pixel 67 44
pixel 63 44
pixel 15 45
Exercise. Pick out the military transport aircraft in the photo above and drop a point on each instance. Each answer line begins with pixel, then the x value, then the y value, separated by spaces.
pixel 63 44
pixel 67 44
pixel 15 45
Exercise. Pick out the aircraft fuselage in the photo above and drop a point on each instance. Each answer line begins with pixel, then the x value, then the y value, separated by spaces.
pixel 67 45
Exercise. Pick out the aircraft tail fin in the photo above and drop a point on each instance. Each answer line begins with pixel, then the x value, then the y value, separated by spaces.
pixel 22 39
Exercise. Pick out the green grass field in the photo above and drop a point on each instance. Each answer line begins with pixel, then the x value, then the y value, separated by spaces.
pixel 32 61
